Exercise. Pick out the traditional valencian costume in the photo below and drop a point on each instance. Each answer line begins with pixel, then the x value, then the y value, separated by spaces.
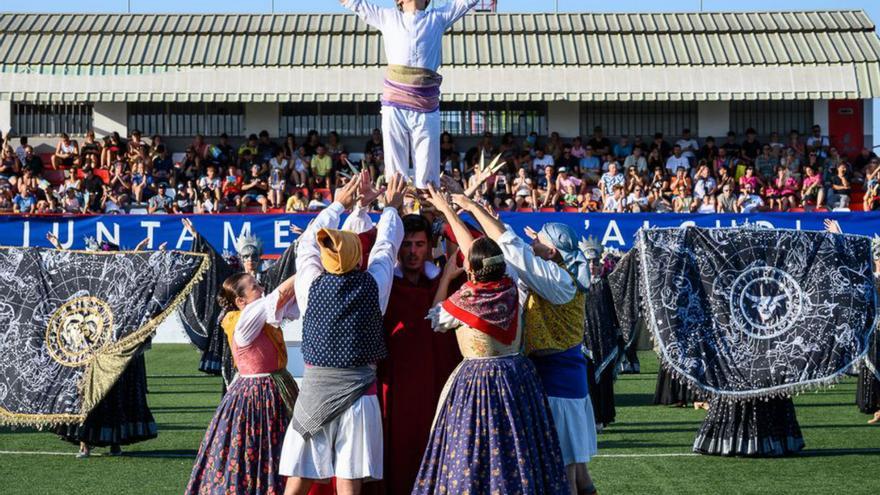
pixel 411 379
pixel 553 295
pixel 493 432
pixel 123 416
pixel 242 446
pixel 201 315
pixel 752 315
pixel 411 94
pixel 336 429
pixel 868 385
pixel 602 339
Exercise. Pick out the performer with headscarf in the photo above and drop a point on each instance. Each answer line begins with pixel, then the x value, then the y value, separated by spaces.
pixel 242 446
pixel 602 339
pixel 123 416
pixel 411 379
pixel 411 96
pixel 553 278
pixel 493 431
pixel 336 429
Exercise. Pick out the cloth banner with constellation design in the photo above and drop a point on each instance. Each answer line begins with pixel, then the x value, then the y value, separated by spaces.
pixel 71 321
pixel 750 312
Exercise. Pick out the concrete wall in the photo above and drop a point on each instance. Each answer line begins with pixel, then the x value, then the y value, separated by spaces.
pixel 713 119
pixel 5 116
pixel 262 116
pixel 868 115
pixel 110 117
pixel 564 117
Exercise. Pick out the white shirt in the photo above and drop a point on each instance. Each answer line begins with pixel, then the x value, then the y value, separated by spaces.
pixel 380 264
pixel 264 310
pixel 688 147
pixel 412 39
pixel 672 163
pixel 539 164
pixel 752 203
pixel 531 273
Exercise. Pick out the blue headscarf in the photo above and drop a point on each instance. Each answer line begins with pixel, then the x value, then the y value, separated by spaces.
pixel 563 238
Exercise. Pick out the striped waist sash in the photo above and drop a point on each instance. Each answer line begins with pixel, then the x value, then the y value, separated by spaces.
pixel 412 88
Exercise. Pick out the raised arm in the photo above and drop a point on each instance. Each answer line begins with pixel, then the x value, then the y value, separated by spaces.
pixel 308 254
pixel 455 10
pixel 462 234
pixel 370 13
pixel 272 308
pixel 389 235
pixel 546 278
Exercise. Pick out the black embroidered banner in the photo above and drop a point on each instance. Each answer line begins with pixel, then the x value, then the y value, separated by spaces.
pixel 70 321
pixel 751 312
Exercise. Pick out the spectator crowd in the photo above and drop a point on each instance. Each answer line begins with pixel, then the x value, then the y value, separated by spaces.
pixel 739 174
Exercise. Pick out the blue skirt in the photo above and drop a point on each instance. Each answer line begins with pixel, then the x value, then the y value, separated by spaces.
pixel 241 449
pixel 493 433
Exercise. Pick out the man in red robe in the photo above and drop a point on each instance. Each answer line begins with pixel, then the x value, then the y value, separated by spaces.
pixel 420 360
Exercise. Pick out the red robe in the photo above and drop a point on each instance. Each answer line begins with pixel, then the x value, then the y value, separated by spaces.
pixel 410 381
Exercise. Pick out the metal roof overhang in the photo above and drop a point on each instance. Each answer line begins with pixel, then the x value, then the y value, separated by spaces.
pixel 461 84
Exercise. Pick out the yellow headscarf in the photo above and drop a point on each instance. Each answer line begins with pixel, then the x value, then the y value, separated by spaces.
pixel 340 250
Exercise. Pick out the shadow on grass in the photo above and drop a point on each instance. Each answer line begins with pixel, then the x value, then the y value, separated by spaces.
pixel 635 444
pixel 167 454
pixel 173 427
pixel 185 391
pixel 627 400
pixel 839 452
pixel 184 409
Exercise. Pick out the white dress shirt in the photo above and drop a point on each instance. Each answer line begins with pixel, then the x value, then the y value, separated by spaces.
pixel 531 273
pixel 412 39
pixel 264 310
pixel 380 264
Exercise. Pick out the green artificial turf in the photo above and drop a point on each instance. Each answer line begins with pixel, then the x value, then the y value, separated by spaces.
pixel 842 456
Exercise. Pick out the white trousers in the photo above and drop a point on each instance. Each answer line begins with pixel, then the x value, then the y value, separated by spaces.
pixel 412 137
pixel 349 447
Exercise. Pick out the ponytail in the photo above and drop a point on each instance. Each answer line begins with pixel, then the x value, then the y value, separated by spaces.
pixel 231 289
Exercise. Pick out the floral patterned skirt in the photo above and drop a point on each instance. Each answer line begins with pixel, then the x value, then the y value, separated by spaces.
pixel 242 447
pixel 493 433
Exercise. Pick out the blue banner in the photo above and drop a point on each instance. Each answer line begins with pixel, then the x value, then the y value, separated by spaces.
pixel 615 230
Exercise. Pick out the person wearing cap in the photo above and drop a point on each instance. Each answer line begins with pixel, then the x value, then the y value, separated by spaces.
pixel 411 96
pixel 160 203
pixel 553 277
pixel 336 428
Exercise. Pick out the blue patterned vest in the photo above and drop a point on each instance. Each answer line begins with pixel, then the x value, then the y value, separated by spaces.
pixel 342 327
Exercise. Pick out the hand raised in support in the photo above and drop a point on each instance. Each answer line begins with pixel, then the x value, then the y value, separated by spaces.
pixel 346 194
pixel 396 191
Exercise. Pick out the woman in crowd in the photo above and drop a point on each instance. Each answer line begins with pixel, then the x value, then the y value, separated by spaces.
pixel 242 446
pixel 493 432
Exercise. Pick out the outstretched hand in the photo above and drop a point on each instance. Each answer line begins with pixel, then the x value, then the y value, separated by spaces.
pixel 452 271
pixel 464 202
pixel 396 191
pixel 438 200
pixel 832 226
pixel 143 244
pixel 346 194
pixel 367 193
pixel 188 225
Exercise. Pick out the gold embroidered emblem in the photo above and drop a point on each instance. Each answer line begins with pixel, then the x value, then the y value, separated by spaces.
pixel 78 329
